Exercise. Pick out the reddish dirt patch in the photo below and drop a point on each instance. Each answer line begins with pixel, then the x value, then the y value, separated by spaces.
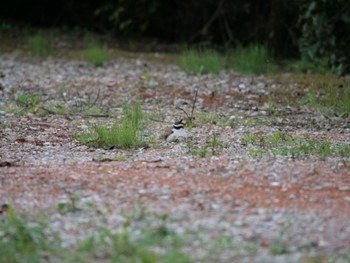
pixel 199 184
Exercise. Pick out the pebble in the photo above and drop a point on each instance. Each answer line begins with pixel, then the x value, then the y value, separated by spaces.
pixel 275 184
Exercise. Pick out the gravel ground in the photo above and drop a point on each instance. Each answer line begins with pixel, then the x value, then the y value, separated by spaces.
pixel 302 206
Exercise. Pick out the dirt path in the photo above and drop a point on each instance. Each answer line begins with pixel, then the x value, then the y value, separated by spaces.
pixel 303 204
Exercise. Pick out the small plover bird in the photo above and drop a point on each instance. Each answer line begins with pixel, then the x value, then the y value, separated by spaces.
pixel 177 133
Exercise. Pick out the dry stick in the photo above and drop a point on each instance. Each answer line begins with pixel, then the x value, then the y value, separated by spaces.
pixel 227 28
pixel 76 114
pixel 156 120
pixel 177 107
pixel 194 104
pixel 210 21
pixel 97 97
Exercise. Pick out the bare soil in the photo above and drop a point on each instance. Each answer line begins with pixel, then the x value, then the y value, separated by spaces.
pixel 301 203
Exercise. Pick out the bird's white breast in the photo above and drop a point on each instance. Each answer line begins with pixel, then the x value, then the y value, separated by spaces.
pixel 177 134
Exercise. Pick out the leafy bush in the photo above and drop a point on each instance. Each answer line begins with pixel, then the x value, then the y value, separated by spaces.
pixel 252 59
pixel 125 133
pixel 324 33
pixel 205 61
pixel 39 45
pixel 97 55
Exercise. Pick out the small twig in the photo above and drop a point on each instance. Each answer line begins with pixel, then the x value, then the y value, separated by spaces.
pixel 21 110
pixel 96 115
pixel 194 104
pixel 227 28
pixel 190 118
pixel 97 97
pixel 156 120
pixel 9 163
pixel 76 114
pixel 177 107
pixel 215 15
pixel 50 111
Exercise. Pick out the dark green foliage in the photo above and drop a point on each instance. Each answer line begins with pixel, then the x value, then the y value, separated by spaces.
pixel 325 33
pixel 318 30
pixel 193 21
pixel 130 17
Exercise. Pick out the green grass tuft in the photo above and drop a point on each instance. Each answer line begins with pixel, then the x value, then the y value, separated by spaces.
pixel 332 100
pixel 212 147
pixel 252 59
pixel 23 242
pixel 39 45
pixel 320 66
pixel 125 133
pixel 29 100
pixel 97 55
pixel 29 103
pixel 31 240
pixel 197 62
pixel 279 250
pixel 294 147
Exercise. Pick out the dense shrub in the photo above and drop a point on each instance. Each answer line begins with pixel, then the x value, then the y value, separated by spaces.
pixel 325 33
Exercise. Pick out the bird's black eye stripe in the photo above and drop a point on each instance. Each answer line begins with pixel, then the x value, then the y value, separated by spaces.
pixel 178 127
